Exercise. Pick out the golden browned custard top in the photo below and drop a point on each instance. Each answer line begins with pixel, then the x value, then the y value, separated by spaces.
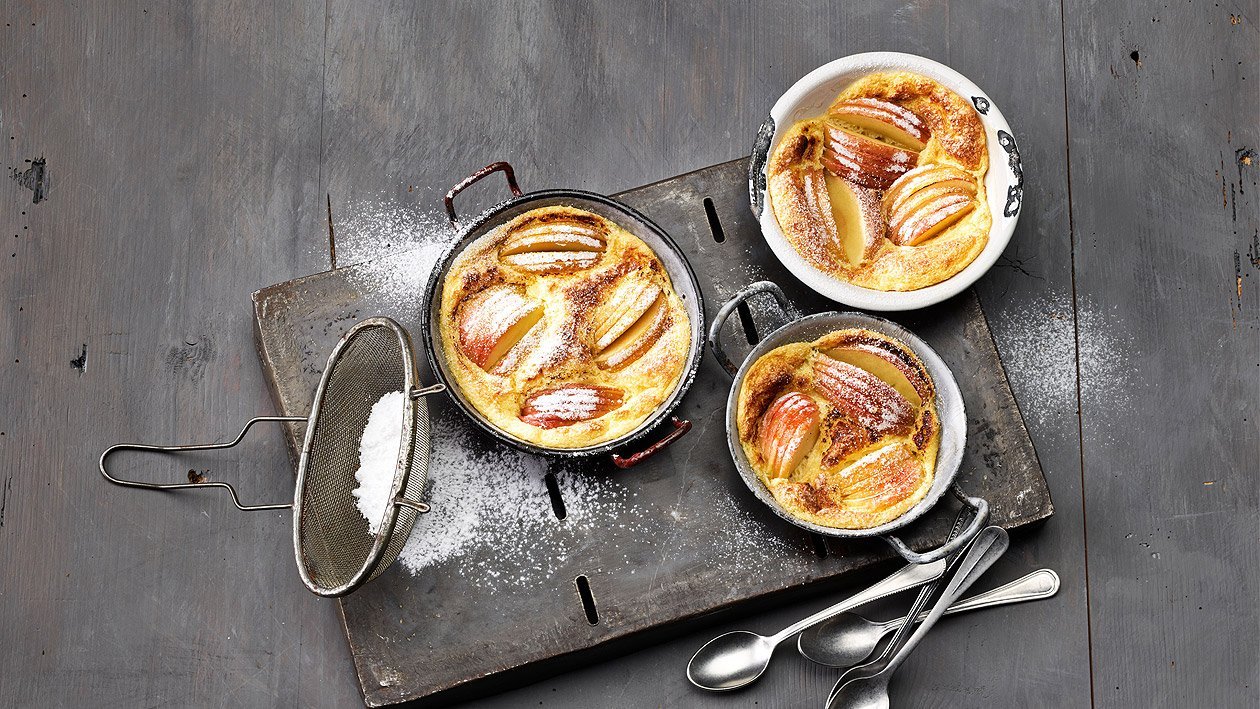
pixel 562 328
pixel 843 430
pixel 885 190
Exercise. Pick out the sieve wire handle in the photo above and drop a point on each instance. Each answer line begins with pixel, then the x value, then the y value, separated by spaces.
pixel 195 447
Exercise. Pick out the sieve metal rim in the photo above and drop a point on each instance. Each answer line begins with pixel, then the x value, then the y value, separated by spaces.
pixel 402 467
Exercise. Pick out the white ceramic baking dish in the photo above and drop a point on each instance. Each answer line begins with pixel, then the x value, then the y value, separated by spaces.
pixel 809 97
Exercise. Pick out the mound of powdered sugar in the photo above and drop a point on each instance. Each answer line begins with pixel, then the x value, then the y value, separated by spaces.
pixel 378 458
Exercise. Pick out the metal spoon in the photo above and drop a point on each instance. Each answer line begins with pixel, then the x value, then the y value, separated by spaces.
pixel 847 639
pixel 737 659
pixel 871 691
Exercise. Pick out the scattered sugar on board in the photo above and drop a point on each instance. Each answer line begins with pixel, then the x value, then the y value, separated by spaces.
pixel 491 520
pixel 378 457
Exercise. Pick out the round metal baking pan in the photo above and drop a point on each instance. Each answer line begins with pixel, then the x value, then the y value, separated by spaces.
pixel 949 408
pixel 676 265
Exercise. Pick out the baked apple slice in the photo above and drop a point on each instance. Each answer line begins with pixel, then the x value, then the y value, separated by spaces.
pixel 884 118
pixel 493 321
pixel 917 179
pixel 863 397
pixel 636 340
pixel 863 160
pixel 626 305
pixel 934 216
pixel 877 480
pixel 789 429
pixel 921 205
pixel 855 210
pixel 897 370
pixel 554 243
pixel 568 404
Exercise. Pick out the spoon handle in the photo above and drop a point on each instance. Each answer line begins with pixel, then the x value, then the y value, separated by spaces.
pixel 1042 583
pixel 908 577
pixel 988 547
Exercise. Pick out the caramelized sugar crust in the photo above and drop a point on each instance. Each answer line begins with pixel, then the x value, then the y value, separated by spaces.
pixel 874 456
pixel 873 145
pixel 562 328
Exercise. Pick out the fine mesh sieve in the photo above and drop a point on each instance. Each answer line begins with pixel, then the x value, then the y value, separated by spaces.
pixel 335 552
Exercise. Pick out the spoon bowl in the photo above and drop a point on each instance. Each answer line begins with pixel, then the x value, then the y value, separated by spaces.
pixel 842 641
pixel 730 661
pixel 863 693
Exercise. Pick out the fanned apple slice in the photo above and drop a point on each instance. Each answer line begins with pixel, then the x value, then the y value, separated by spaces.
pixel 864 160
pixel 797 187
pixel 625 306
pixel 855 210
pixel 863 397
pixel 932 219
pixel 568 404
pixel 877 480
pixel 636 340
pixel 885 119
pixel 789 429
pixel 493 321
pixel 925 201
pixel 899 373
pixel 918 178
pixel 554 243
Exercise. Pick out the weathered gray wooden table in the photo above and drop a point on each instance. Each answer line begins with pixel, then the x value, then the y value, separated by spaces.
pixel 169 160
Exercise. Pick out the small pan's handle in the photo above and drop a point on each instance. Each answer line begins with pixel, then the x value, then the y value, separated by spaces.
pixel 681 427
pixel 978 521
pixel 724 313
pixel 195 447
pixel 501 166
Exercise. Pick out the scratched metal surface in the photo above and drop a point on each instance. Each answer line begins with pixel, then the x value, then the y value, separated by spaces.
pixel 670 558
pixel 191 150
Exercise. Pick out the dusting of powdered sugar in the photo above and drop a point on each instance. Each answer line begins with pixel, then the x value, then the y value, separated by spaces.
pixel 491 520
pixel 390 248
pixel 1038 344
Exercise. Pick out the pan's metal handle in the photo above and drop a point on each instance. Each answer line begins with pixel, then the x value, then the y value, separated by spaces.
pixel 757 166
pixel 195 447
pixel 981 516
pixel 501 166
pixel 724 313
pixel 681 427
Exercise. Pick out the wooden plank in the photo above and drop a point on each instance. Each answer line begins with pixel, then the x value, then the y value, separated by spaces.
pixel 182 149
pixel 685 532
pixel 1163 107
